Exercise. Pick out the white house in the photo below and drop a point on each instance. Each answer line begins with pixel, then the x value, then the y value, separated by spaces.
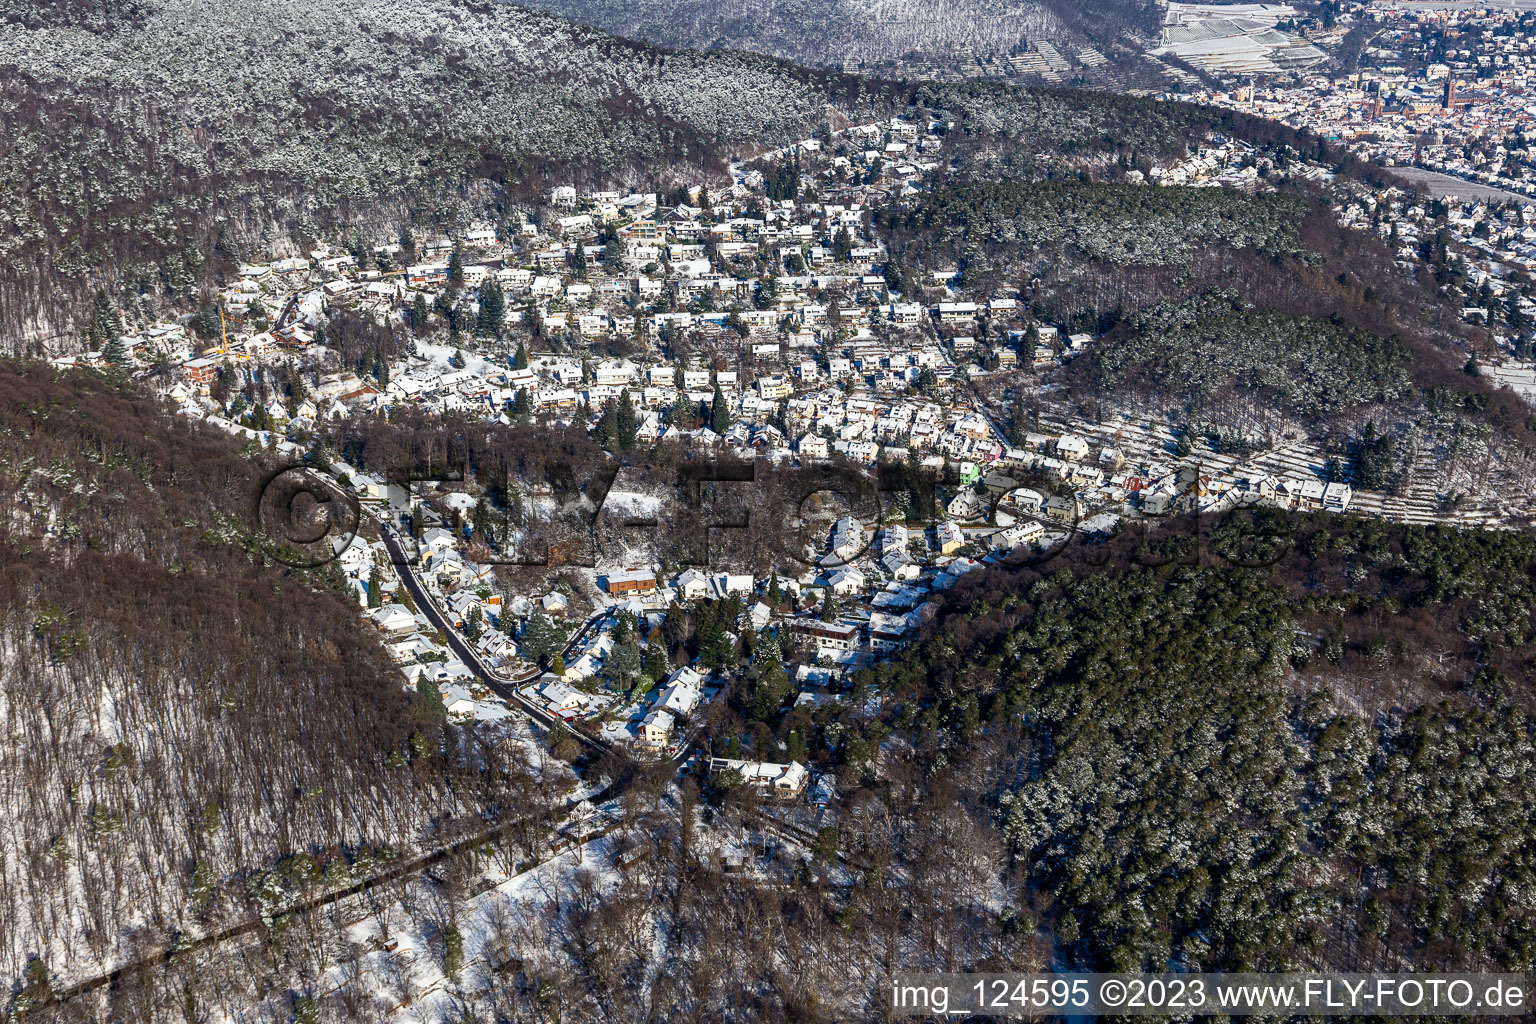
pixel 733 585
pixel 814 446
pixel 393 619
pixel 899 564
pixel 437 540
pixel 692 585
pixel 847 538
pixel 782 780
pixel 656 729
pixel 682 693
pixel 1071 447
pixel 1027 532
pixel 562 700
pixel 845 581
pixel 965 505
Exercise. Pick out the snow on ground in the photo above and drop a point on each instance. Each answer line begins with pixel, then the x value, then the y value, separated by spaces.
pixel 402 969
pixel 632 505
pixel 439 356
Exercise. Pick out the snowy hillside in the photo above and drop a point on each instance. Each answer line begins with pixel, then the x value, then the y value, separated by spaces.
pixel 134 139
pixel 862 32
pixel 190 735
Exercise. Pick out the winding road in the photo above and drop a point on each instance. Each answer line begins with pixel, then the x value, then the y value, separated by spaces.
pixel 505 689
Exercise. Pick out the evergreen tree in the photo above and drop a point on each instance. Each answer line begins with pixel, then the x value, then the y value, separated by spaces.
pixel 1186 442
pixel 456 267
pixel 770 691
pixel 842 245
pixel 474 623
pixel 579 261
pixel 614 252
pixel 457 359
pixel 716 651
pixel 824 849
pixel 520 360
pixel 206 324
pixel 1018 428
pixel 375 588
pixel 655 661
pixel 104 331
pixel 771 686
pixel 419 314
pixel 115 354
pixel 625 425
pixel 719 414
pixel 493 308
pixel 606 433
pixel 418 522
pixel 541 640
pixel 480 519
pixel 829 608
pixel 429 700
pixel 623 664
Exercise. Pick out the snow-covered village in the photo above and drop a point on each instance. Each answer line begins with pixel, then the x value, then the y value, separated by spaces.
pixel 761 321
pixel 503 521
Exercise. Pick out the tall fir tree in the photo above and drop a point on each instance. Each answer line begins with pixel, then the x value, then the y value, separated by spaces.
pixel 716 651
pixel 829 608
pixel 430 700
pixel 606 433
pixel 625 424
pixel 104 331
pixel 842 245
pixel 655 661
pixel 115 353
pixel 493 307
pixel 719 414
